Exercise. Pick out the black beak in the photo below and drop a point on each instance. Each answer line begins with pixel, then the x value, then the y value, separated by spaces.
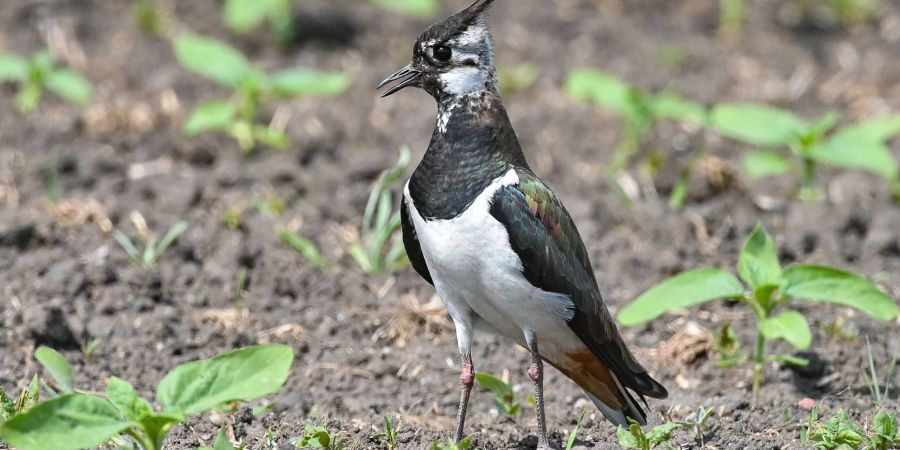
pixel 407 76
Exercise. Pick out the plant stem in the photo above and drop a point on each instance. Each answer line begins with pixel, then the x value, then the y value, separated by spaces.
pixel 808 191
pixel 758 361
pixel 145 442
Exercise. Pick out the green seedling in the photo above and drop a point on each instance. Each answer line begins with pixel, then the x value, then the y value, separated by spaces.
pixel 40 74
pixel 872 376
pixel 840 12
pixel 253 90
pixel 838 432
pixel 269 203
pixel 240 286
pixel 421 9
pixel 233 216
pixel 316 436
pixel 58 369
pixel 518 78
pixel 304 247
pixel 464 444
pixel 728 346
pixel 27 399
pixel 640 109
pixel 885 434
pixel 389 435
pixel 841 329
pixel 380 247
pixel 860 146
pixel 53 189
pixel 731 19
pixel 843 433
pixel 505 398
pixel 222 442
pixel 635 437
pixel 391 431
pixel 243 16
pixel 698 423
pixel 146 251
pixel 149 17
pixel 81 420
pixel 570 442
pixel 771 287
pixel 89 348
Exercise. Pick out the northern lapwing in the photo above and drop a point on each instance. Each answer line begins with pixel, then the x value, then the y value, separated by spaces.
pixel 497 244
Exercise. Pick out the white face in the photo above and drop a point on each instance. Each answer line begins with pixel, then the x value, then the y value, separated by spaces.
pixel 472 61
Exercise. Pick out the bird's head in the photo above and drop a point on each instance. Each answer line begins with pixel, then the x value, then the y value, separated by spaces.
pixel 451 58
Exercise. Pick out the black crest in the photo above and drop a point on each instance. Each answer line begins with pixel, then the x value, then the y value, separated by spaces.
pixel 457 23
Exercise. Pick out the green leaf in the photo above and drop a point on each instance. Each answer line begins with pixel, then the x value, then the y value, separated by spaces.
pixel 874 157
pixel 297 82
pixel 574 433
pixel 671 106
pixel 29 396
pixel 157 426
pixel 681 291
pixel 790 326
pixel 304 246
pixel 494 384
pixel 790 359
pixel 626 439
pixel 663 433
pixel 212 59
pixel 57 366
pixel 758 264
pixel 271 137
pixel 244 15
pixel 862 146
pixel 122 395
pixel 762 164
pixel 13 68
pixel 416 8
pixel 757 124
pixel 71 421
pixel 603 89
pixel 177 230
pixel 315 437
pixel 833 285
pixel 212 115
pixel 222 442
pixel 7 406
pixel 70 86
pixel 886 429
pixel 361 257
pixel 29 97
pixel 731 360
pixel 241 375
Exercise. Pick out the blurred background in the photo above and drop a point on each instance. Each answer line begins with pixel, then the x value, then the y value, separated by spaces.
pixel 248 138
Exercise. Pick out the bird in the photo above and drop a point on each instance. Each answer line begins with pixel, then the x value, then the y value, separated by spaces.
pixel 496 242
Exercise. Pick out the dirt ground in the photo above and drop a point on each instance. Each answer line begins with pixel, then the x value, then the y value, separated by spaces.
pixel 366 345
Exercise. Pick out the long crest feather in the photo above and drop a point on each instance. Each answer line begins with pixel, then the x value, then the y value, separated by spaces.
pixel 476 10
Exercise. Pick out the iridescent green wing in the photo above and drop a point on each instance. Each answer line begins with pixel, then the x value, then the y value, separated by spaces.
pixel 554 258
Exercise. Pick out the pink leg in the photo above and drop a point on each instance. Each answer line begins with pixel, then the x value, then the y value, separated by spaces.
pixel 466 380
pixel 536 373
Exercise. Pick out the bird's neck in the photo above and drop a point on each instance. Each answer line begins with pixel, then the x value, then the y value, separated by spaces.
pixel 472 145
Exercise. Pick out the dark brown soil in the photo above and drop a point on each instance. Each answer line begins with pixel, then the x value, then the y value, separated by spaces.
pixel 362 350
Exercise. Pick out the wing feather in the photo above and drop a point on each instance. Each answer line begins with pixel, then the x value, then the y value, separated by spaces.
pixel 554 259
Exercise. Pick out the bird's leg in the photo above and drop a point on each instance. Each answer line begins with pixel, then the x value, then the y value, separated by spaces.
pixel 466 380
pixel 536 373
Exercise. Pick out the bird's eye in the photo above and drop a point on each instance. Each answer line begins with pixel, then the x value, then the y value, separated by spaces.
pixel 442 53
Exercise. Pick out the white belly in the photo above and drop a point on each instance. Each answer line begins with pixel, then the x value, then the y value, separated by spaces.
pixel 475 270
